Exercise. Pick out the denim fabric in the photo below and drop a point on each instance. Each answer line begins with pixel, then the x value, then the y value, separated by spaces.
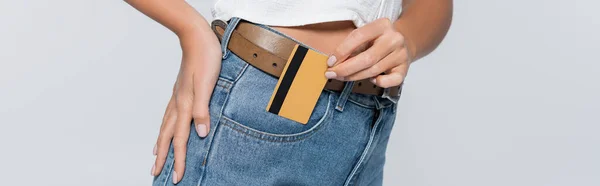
pixel 343 143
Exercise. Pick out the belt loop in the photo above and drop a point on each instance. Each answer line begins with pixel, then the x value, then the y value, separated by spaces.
pixel 344 96
pixel 233 22
pixel 393 98
pixel 378 104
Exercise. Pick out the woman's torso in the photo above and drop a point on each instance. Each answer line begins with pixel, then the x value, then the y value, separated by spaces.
pixel 324 37
pixel 320 24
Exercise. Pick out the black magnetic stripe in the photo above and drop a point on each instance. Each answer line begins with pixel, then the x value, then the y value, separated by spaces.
pixel 287 80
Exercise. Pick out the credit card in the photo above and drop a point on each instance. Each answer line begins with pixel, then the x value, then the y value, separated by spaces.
pixel 300 85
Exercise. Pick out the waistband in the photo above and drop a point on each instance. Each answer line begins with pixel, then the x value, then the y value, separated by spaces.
pixel 369 101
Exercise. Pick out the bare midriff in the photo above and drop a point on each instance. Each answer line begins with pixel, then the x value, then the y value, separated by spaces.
pixel 324 37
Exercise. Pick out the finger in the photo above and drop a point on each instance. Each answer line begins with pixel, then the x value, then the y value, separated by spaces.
pixel 201 119
pixel 390 61
pixel 358 37
pixel 170 109
pixel 204 84
pixel 394 78
pixel 164 137
pixel 381 48
pixel 182 132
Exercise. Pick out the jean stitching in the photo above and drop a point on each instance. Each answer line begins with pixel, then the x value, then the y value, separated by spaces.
pixel 226 80
pixel 375 141
pixel 367 106
pixel 241 72
pixel 345 94
pixel 171 163
pixel 360 104
pixel 245 130
pixel 224 83
pixel 222 86
pixel 351 177
pixel 215 130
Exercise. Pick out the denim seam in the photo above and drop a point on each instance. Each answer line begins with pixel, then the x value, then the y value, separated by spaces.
pixel 341 102
pixel 237 76
pixel 241 72
pixel 356 102
pixel 376 138
pixel 248 131
pixel 365 152
pixel 231 84
pixel 205 160
pixel 226 80
pixel 224 83
pixel 222 86
pixel 360 104
pixel 367 106
pixel 172 162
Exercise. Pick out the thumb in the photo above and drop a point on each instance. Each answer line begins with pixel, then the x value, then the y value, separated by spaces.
pixel 201 120
pixel 200 111
pixel 204 83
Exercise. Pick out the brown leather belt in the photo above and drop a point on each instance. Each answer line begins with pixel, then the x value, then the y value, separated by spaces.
pixel 269 51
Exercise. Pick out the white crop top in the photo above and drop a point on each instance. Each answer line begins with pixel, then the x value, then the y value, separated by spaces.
pixel 302 12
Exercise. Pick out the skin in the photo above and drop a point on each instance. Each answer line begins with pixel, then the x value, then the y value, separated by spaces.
pixel 381 46
pixel 393 45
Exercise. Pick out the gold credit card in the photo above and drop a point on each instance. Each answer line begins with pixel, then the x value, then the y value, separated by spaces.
pixel 300 85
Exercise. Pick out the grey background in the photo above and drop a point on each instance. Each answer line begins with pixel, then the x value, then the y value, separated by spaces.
pixel 510 98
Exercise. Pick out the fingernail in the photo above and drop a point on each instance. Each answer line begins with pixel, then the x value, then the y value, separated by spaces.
pixel 154 150
pixel 175 177
pixel 201 130
pixel 373 80
pixel 331 60
pixel 152 171
pixel 330 75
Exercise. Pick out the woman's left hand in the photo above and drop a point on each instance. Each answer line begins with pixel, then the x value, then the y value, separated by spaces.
pixel 385 61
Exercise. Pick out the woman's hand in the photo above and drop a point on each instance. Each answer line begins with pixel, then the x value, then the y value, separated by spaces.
pixel 387 54
pixel 196 80
pixel 198 74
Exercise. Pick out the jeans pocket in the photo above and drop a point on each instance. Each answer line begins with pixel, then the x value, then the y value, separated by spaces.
pixel 245 109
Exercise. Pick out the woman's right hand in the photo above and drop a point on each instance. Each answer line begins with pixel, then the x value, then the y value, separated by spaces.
pixel 200 66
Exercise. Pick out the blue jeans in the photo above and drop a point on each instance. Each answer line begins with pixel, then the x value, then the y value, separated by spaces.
pixel 343 143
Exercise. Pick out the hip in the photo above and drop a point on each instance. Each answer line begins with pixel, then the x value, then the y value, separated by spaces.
pixel 343 142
